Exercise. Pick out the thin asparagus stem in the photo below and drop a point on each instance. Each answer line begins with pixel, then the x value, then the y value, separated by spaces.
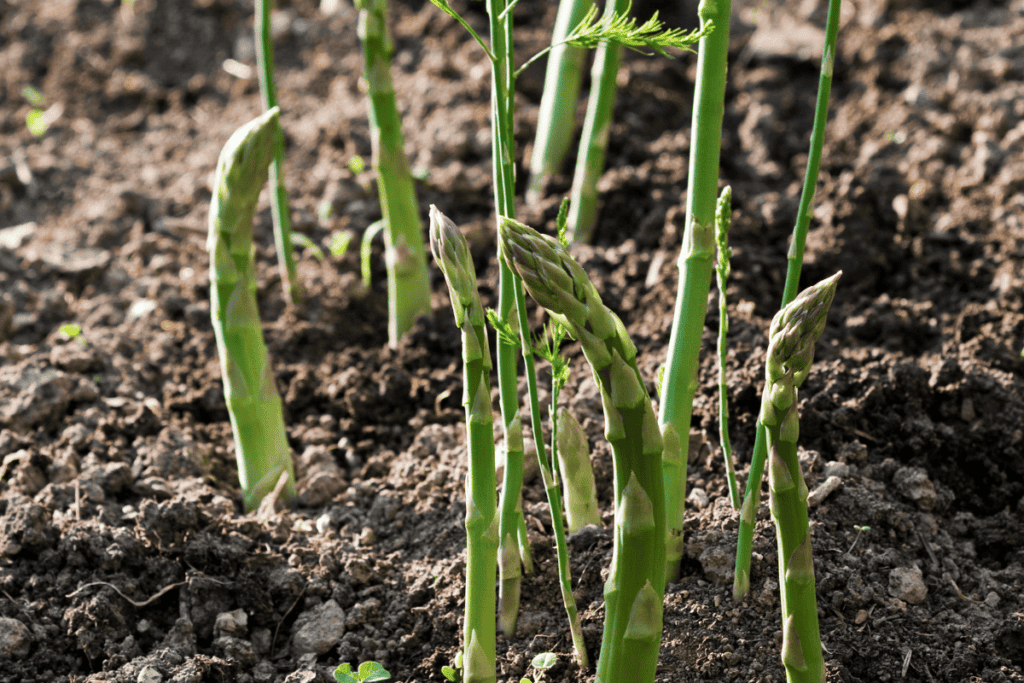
pixel 752 491
pixel 254 405
pixel 695 266
pixel 793 333
pixel 279 210
pixel 452 256
pixel 723 217
pixel 406 259
pixel 555 122
pixel 634 591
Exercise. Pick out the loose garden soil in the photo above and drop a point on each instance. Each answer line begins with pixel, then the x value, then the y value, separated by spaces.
pixel 124 553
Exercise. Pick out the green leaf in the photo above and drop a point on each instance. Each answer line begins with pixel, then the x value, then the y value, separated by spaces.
pixel 448 673
pixel 35 121
pixel 71 330
pixel 343 674
pixel 545 660
pixel 340 242
pixel 623 29
pixel 300 240
pixel 356 164
pixel 34 97
pixel 373 671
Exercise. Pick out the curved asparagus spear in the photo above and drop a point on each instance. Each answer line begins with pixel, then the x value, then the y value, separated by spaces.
pixel 635 586
pixel 452 255
pixel 793 333
pixel 257 420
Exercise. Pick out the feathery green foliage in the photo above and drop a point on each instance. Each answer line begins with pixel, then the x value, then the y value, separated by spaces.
pixel 254 405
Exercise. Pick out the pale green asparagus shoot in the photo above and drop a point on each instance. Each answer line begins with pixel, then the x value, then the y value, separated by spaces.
pixel 405 255
pixel 254 405
pixel 794 331
pixel 577 473
pixel 634 590
pixel 453 258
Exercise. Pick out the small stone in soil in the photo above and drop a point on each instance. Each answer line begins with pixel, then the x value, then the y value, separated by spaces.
pixel 15 638
pixel 907 584
pixel 319 629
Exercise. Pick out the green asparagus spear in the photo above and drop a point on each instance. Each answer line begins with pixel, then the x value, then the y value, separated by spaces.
pixel 555 120
pixel 452 256
pixel 634 590
pixel 577 473
pixel 257 420
pixel 406 257
pixel 793 333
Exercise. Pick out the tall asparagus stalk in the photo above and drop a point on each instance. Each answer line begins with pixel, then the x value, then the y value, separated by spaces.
pixel 695 266
pixel 752 492
pixel 555 119
pixel 254 405
pixel 405 253
pixel 452 256
pixel 279 210
pixel 793 333
pixel 594 139
pixel 635 587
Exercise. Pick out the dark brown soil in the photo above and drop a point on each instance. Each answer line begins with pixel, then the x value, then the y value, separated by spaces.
pixel 124 555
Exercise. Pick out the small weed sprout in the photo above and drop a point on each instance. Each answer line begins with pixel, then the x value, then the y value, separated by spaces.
pixel 367 673
pixel 453 674
pixel 542 662
pixel 859 529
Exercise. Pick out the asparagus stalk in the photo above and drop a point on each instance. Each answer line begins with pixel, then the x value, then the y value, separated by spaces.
pixel 558 102
pixel 793 333
pixel 695 266
pixel 279 210
pixel 723 218
pixel 635 587
pixel 752 491
pixel 406 260
pixel 511 548
pixel 577 473
pixel 452 256
pixel 596 127
pixel 254 405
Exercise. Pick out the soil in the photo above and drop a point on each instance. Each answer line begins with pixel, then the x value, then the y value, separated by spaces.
pixel 124 552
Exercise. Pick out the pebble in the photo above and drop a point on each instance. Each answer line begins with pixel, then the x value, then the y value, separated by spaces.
pixel 698 498
pixel 823 490
pixel 717 563
pixel 234 623
pixel 15 638
pixel 149 674
pixel 913 483
pixel 907 584
pixel 319 629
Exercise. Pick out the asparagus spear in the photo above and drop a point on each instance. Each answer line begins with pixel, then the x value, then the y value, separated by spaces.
pixel 254 405
pixel 577 473
pixel 452 256
pixel 408 280
pixel 793 333
pixel 635 587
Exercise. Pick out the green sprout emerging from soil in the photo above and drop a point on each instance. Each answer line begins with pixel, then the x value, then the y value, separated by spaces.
pixel 368 672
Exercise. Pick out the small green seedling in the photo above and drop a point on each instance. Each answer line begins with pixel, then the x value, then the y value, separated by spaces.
pixel 35 120
pixel 859 529
pixel 301 240
pixel 368 672
pixel 541 663
pixel 366 250
pixel 356 164
pixel 340 242
pixel 453 674
pixel 72 331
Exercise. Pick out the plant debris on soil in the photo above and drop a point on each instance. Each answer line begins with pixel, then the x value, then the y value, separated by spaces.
pixel 124 553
